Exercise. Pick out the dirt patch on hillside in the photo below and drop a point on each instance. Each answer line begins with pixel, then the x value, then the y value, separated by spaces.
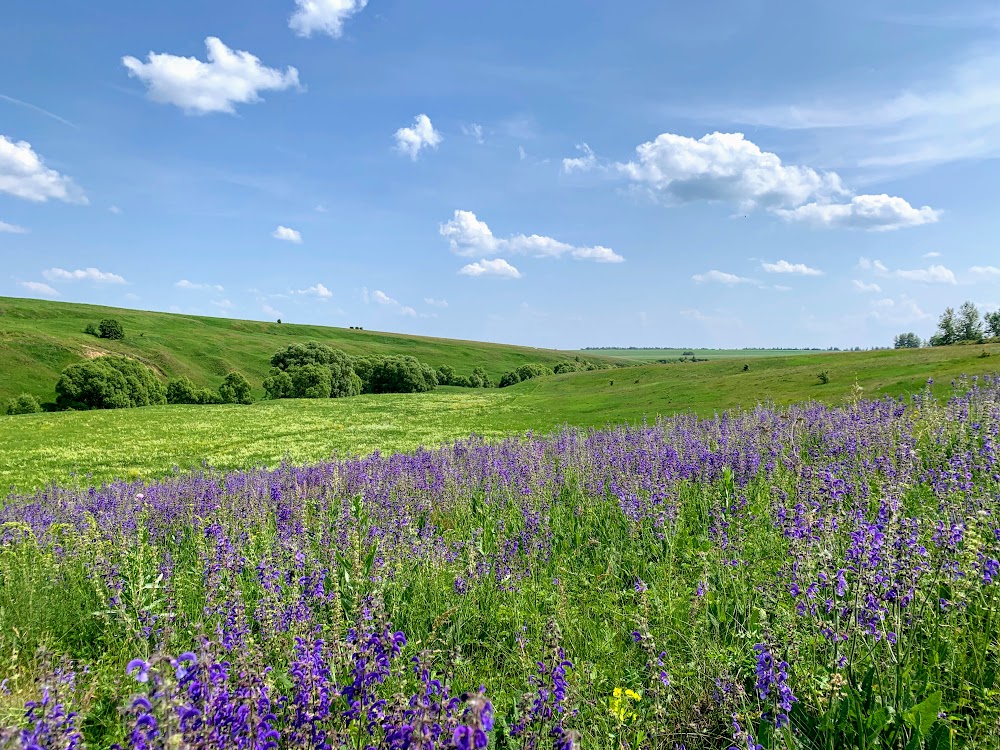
pixel 90 352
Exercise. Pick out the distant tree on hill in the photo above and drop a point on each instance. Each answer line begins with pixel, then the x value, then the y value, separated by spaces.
pixel 109 382
pixel 236 389
pixel 524 372
pixel 110 328
pixel 23 404
pixel 993 324
pixel 446 375
pixel 970 325
pixel 397 374
pixel 480 378
pixel 907 341
pixel 947 330
pixel 343 380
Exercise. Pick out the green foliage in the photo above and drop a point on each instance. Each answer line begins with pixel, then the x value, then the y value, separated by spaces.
pixel 109 382
pixel 308 353
pixel 907 341
pixel 480 378
pixel 525 372
pixel 396 374
pixel 446 375
pixel 510 378
pixel 182 391
pixel 992 320
pixel 824 377
pixel 311 381
pixel 236 389
pixel 24 404
pixel 110 328
pixel 279 385
pixel 92 330
pixel 970 325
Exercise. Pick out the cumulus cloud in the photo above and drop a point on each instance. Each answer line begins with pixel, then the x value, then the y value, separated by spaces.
pixel 287 235
pixel 783 266
pixel 583 163
pixel 496 267
pixel 985 272
pixel 23 174
pixel 932 275
pixel 411 141
pixel 469 236
pixel 877 213
pixel 318 290
pixel 721 277
pixel 727 167
pixel 379 297
pixel 866 288
pixel 191 285
pixel 85 274
pixel 38 287
pixel 11 228
pixel 230 77
pixel 323 16
pixel 435 302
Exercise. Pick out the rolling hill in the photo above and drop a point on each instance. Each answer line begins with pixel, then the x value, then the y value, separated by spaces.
pixel 39 338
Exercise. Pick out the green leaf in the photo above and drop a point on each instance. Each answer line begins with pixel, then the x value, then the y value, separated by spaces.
pixel 924 715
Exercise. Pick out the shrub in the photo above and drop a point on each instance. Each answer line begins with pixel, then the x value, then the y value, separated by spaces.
pixel 92 330
pixel 206 397
pixel 824 377
pixel 310 353
pixel 397 374
pixel 311 381
pixel 446 375
pixel 481 378
pixel 279 385
pixel 182 391
pixel 109 382
pixel 110 328
pixel 24 404
pixel 341 366
pixel 509 378
pixel 235 389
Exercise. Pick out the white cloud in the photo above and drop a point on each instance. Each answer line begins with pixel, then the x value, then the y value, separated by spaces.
pixel 86 274
pixel 521 153
pixel 379 297
pixel 865 288
pixel 287 235
pixel 469 236
pixel 185 284
pixel 721 277
pixel 321 209
pixel 115 210
pixel 475 130
pixel 318 290
pixel 581 163
pixel 39 288
pixel 932 255
pixel 876 213
pixel 872 265
pixel 725 167
pixel 229 77
pixel 783 266
pixel 11 228
pixel 932 275
pixel 897 311
pixel 223 304
pixel 497 267
pixel 435 302
pixel 411 141
pixel 267 309
pixel 23 174
pixel 987 272
pixel 323 16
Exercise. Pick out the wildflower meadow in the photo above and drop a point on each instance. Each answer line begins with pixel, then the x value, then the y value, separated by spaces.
pixel 814 576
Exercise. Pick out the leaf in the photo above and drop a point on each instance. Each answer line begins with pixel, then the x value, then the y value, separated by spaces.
pixel 924 715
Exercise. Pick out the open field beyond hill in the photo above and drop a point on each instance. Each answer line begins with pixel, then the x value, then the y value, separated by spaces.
pixel 149 442
pixel 39 338
pixel 653 355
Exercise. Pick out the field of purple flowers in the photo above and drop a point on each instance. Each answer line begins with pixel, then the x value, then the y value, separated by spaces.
pixel 811 577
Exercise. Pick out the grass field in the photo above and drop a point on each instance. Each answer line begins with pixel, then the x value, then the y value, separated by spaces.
pixel 653 355
pixel 148 443
pixel 39 338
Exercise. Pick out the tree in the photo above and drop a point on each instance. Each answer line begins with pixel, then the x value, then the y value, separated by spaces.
pixel 310 353
pixel 344 381
pixel 23 404
pixel 993 324
pixel 481 377
pixel 907 341
pixel 947 330
pixel 311 381
pixel 970 325
pixel 235 389
pixel 109 382
pixel 279 385
pixel 446 375
pixel 398 374
pixel 509 378
pixel 182 391
pixel 110 328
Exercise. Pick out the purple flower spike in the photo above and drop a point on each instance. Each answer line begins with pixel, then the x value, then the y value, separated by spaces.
pixel 138 668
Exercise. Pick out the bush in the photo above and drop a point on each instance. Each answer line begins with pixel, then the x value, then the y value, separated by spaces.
pixel 24 404
pixel 509 378
pixel 111 329
pixel 824 377
pixel 235 389
pixel 396 374
pixel 92 330
pixel 182 391
pixel 446 375
pixel 109 382
pixel 311 381
pixel 206 397
pixel 279 385
pixel 341 367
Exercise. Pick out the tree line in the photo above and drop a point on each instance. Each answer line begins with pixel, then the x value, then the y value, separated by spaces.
pixel 964 326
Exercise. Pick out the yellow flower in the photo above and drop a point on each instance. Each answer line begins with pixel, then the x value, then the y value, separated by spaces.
pixel 621 702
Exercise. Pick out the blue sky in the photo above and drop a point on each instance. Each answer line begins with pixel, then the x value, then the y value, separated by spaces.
pixel 565 174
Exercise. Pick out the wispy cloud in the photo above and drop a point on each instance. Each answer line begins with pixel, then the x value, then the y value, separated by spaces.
pixel 36 108
pixel 721 277
pixel 193 286
pixel 497 267
pixel 38 287
pixel 783 266
pixel 11 228
pixel 435 302
pixel 83 274
pixel 866 287
pixel 318 290
pixel 378 297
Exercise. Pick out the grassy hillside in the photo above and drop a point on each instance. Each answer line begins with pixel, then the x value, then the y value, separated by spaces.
pixel 39 338
pixel 148 443
pixel 653 355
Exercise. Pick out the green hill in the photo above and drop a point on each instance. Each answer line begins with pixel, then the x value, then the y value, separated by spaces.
pixel 39 338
